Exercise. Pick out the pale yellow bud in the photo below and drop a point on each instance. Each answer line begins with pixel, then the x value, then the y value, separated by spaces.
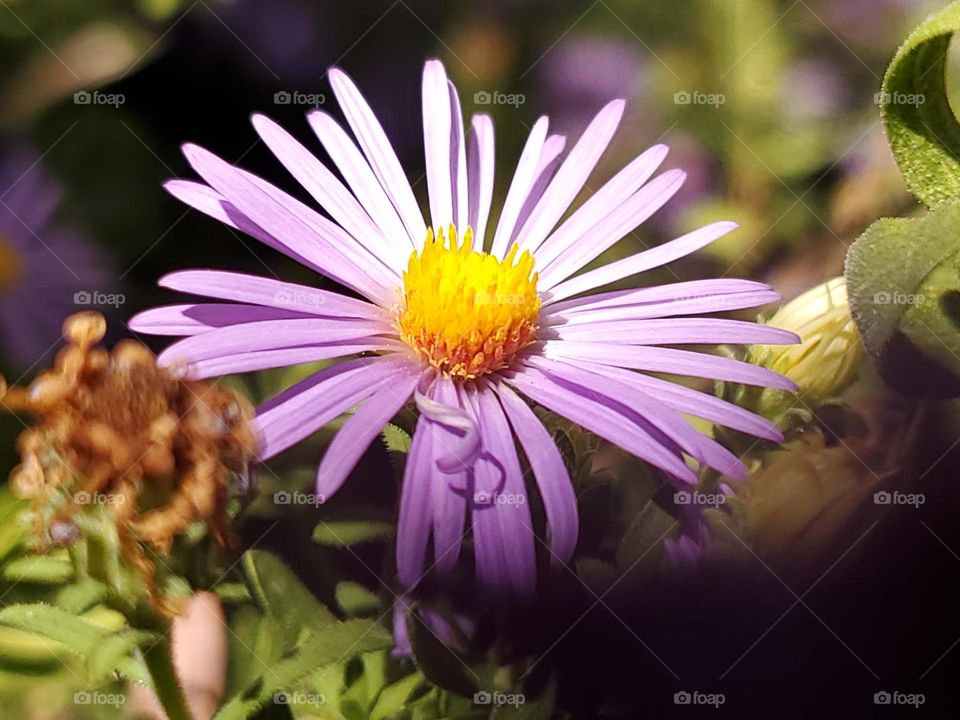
pixel 824 361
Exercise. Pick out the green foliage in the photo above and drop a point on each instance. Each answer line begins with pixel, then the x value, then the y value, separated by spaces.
pixel 101 649
pixel 901 276
pixel 923 130
pixel 352 526
pixel 334 644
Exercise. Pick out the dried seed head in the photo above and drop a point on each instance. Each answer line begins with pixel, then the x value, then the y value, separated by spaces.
pixel 113 425
pixel 85 329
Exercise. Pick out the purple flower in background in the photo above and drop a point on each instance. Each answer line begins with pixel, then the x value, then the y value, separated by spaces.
pixel 585 71
pixel 466 316
pixel 45 267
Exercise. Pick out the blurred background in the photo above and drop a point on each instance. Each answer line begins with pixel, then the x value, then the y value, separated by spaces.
pixel 769 105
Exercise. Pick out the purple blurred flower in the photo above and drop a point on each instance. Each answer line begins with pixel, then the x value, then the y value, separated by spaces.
pixel 584 72
pixel 43 264
pixel 464 331
pixel 865 21
pixel 814 88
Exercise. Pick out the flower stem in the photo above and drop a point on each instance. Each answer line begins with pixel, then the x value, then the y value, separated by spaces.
pixel 165 683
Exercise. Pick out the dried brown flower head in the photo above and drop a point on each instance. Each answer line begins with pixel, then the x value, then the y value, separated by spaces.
pixel 111 428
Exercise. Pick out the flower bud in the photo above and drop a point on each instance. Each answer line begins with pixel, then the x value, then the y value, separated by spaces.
pixel 823 363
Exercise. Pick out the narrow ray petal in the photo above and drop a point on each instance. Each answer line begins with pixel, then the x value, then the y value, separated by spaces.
pixel 379 153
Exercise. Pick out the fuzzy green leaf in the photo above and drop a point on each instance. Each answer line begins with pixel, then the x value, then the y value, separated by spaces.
pixel 283 597
pixel 923 130
pixel 335 643
pixel 396 439
pixel 353 526
pixel 902 277
pixel 355 600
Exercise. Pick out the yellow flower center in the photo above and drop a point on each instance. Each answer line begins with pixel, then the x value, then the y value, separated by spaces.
pixel 466 312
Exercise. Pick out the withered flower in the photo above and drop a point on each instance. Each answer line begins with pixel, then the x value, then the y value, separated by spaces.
pixel 111 429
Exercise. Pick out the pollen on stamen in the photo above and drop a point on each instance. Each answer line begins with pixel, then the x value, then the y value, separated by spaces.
pixel 466 312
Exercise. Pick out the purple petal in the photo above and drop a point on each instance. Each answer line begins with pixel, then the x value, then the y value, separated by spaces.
pixel 550 157
pixel 693 402
pixel 282 358
pixel 448 490
pixel 268 335
pixel 436 143
pixel 571 176
pixel 352 440
pixel 200 318
pixel 602 204
pixel 502 527
pixel 310 404
pixel 556 490
pixel 327 190
pixel 355 170
pixel 682 298
pixel 379 153
pixel 304 232
pixel 523 178
pixel 624 219
pixel 673 331
pixel 640 262
pixel 480 175
pixel 458 161
pixel 576 404
pixel 669 360
pixel 208 201
pixel 257 290
pixel 629 400
pixel 415 503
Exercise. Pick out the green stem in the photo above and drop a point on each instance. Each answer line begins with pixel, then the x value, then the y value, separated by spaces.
pixel 165 683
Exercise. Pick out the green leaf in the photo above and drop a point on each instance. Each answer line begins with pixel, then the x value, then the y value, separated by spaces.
pixel 106 657
pixel 356 600
pixel 337 642
pixel 396 439
pixel 902 276
pixel 352 526
pixel 923 130
pixel 81 596
pixel 393 698
pixel 77 636
pixel 282 596
pixel 43 569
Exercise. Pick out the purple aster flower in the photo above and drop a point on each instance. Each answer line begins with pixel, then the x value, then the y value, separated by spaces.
pixel 467 317
pixel 44 265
